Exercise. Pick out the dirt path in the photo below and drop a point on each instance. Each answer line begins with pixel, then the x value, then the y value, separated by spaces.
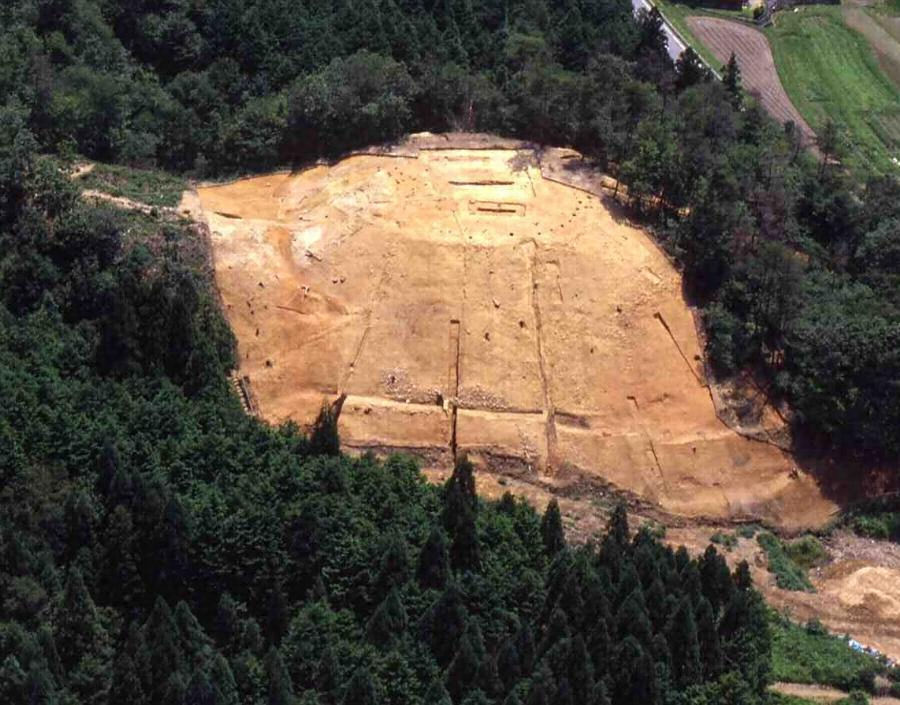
pixel 754 57
pixel 126 203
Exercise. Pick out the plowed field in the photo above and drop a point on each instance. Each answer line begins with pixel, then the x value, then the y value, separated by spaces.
pixel 754 57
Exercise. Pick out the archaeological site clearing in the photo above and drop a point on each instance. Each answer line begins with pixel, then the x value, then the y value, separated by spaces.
pixel 466 300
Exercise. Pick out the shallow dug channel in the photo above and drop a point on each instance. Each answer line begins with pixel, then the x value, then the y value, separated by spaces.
pixel 464 302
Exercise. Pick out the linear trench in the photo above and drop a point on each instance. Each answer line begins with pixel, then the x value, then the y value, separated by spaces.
pixel 549 410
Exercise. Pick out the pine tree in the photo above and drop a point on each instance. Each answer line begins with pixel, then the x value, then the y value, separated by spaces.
pixel 125 686
pixel 731 77
pixel 632 619
pixel 79 632
pixel 742 579
pixel 277 616
pixel 557 630
pixel 542 687
pixel 715 578
pixel 509 667
pixel 618 525
pixel 684 646
pixel 360 689
pixel 393 569
pixel 281 689
pixel 389 621
pixel 222 679
pixel 437 694
pixel 465 551
pixel 434 561
pixel 581 671
pixel 119 578
pixel 226 625
pixel 40 687
pixel 443 625
pixel 463 669
pixel 460 507
pixel 708 639
pixel 552 529
pixel 690 70
pixel 525 647
pixel 200 690
pixel 327 671
pixel 564 694
pixel 459 490
pixel 194 641
pixel 165 657
pixel 324 438
pixel 172 689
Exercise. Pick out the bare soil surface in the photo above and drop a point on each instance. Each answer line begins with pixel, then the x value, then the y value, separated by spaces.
pixel 857 590
pixel 465 298
pixel 754 57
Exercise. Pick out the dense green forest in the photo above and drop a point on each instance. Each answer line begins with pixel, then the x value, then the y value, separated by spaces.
pixel 795 263
pixel 159 546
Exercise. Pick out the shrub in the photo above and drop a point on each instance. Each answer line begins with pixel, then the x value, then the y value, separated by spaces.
pixel 747 531
pixel 788 575
pixel 728 541
pixel 806 551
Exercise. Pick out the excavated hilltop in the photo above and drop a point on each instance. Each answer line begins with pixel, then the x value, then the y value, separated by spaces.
pixel 460 298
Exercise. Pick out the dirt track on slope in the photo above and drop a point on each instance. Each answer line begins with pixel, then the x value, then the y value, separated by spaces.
pixel 754 57
pixel 464 300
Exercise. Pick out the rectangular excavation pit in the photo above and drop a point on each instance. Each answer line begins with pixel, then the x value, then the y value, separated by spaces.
pixel 497 207
pixel 482 182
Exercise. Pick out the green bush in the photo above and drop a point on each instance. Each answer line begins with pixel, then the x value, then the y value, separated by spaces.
pixel 788 575
pixel 747 531
pixel 879 525
pixel 806 552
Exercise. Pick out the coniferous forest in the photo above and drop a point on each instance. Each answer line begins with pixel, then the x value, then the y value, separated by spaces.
pixel 157 545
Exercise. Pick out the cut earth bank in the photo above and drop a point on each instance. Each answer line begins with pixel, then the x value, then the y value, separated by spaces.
pixel 471 294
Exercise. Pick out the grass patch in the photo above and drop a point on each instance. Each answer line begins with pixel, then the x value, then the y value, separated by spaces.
pixel 811 655
pixel 806 551
pixel 155 188
pixel 830 71
pixel 788 575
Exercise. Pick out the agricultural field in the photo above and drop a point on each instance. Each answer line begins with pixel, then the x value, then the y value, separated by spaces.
pixel 819 63
pixel 880 25
pixel 758 72
pixel 830 72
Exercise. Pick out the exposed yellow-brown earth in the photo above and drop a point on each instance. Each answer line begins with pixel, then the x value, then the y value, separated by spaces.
pixel 464 302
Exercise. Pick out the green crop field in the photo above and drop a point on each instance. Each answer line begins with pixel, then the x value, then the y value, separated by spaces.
pixel 829 71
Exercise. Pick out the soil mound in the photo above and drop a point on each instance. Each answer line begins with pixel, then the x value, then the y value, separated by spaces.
pixel 462 301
